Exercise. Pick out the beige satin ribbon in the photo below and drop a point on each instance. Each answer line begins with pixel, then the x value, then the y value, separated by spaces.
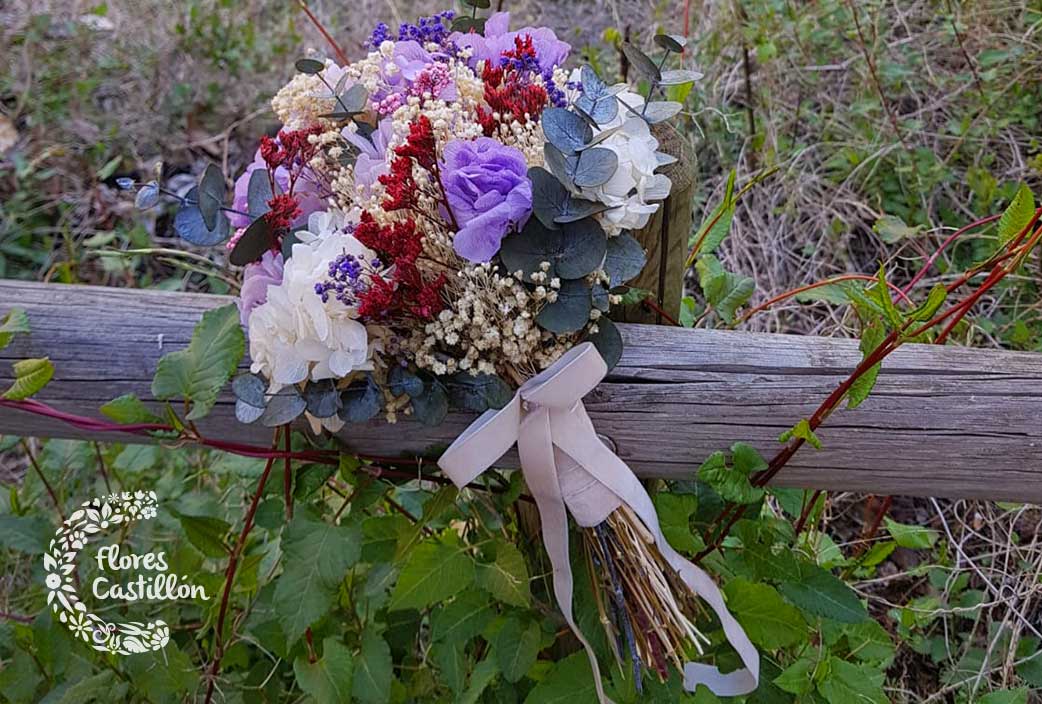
pixel 567 467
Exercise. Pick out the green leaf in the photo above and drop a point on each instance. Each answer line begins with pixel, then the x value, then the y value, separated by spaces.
pixel 329 680
pixel 506 579
pixel 766 618
pixel 14 321
pixel 310 66
pixel 674 516
pixel 570 312
pixel 1006 696
pixel 934 300
pixel 723 290
pixel 435 570
pixel 914 537
pixel 30 375
pixel 821 593
pixel 28 534
pixel 373 670
pixel 716 227
pixel 802 431
pixel 452 663
pixel 137 458
pixel 732 481
pixel 465 617
pixel 516 648
pixel 892 229
pixel 316 556
pixel 1017 215
pixel 688 311
pixel 837 293
pixel 211 195
pixel 482 676
pixel 128 409
pixel 846 683
pixel 101 687
pixel 869 641
pixel 873 333
pixel 198 372
pixel 797 677
pixel 570 682
pixel 206 533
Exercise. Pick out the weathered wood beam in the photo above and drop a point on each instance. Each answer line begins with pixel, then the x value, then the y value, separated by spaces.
pixel 943 421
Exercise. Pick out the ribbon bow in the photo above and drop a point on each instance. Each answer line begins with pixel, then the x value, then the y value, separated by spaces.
pixel 567 467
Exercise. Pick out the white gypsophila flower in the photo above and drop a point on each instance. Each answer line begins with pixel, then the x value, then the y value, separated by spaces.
pixel 294 335
pixel 633 191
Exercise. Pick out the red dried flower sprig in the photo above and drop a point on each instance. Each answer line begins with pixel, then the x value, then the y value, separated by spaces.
pixel 509 92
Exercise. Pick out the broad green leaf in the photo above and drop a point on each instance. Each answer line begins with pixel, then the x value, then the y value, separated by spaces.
pixel 570 682
pixel 206 533
pixel 1017 215
pixel 766 618
pixel 435 570
pixel 934 300
pixel 516 647
pixel 462 619
pixel 892 229
pixel 688 311
pixel 102 687
pixel 846 683
pixel 731 481
pixel 872 335
pixel 837 293
pixel 506 579
pixel 329 680
pixel 28 534
pixel 797 677
pixel 1006 696
pixel 127 409
pixel 137 458
pixel 484 673
pixel 716 227
pixel 316 556
pixel 821 593
pixel 30 375
pixel 803 431
pixel 373 670
pixel 869 641
pixel 452 663
pixel 914 537
pixel 20 677
pixel 198 372
pixel 724 291
pixel 674 516
pixel 14 321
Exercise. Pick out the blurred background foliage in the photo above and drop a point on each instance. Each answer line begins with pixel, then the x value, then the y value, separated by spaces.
pixel 888 124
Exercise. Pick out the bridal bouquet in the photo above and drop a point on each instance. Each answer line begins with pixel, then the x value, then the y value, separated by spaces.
pixel 445 224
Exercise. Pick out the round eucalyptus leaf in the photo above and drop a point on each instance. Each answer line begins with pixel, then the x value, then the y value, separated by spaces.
pixel 642 62
pixel 322 397
pixel 570 312
pixel 671 42
pixel 574 209
pixel 601 136
pixel 582 249
pixel 258 193
pixel 124 183
pixel 565 130
pixel 288 240
pixel 595 167
pixel 432 405
pixel 661 111
pixel 247 413
pixel 361 401
pixel 253 243
pixel 572 252
pixel 480 4
pixel 284 407
pixel 189 224
pixel 250 388
pixel 679 77
pixel 478 393
pixel 403 382
pixel 355 99
pixel 600 298
pixel 608 341
pixel 148 196
pixel 548 195
pixel 561 166
pixel 310 66
pixel 468 24
pixel 624 260
pixel 211 193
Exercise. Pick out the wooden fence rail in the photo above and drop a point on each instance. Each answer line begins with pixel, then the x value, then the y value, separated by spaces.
pixel 943 421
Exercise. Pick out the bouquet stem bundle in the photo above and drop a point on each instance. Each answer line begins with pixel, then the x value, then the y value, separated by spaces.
pixel 646 610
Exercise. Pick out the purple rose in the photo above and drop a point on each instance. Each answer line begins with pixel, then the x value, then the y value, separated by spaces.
pixel 371 163
pixel 255 281
pixel 307 190
pixel 488 190
pixel 550 51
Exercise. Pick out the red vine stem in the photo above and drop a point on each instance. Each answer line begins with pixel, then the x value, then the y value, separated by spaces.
pixel 340 55
pixel 810 287
pixel 651 303
pixel 229 574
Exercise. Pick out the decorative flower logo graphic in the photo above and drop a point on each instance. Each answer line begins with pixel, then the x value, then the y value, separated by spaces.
pixel 90 519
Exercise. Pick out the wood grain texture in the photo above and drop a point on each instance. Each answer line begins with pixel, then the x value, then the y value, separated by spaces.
pixel 943 421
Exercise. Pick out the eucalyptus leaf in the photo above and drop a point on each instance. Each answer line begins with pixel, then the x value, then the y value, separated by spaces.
pixel 469 24
pixel 355 99
pixel 671 42
pixel 479 4
pixel 246 413
pixel 561 166
pixel 642 62
pixel 191 227
pixel 310 66
pixel 625 259
pixel 253 243
pixel 680 77
pixel 258 193
pixel 147 196
pixel 595 167
pixel 478 393
pixel 553 205
pixel 361 401
pixel 250 388
pixel 600 298
pixel 572 252
pixel 570 312
pixel 607 340
pixel 323 398
pixel 403 382
pixel 565 130
pixel 283 407
pixel 212 189
pixel 661 111
pixel 432 405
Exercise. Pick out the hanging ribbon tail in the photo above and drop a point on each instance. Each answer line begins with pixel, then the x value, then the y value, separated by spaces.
pixel 568 468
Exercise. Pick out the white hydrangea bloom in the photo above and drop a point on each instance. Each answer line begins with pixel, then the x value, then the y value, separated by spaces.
pixel 634 189
pixel 294 336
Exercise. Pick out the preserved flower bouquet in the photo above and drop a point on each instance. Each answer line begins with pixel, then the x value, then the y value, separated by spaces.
pixel 445 224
